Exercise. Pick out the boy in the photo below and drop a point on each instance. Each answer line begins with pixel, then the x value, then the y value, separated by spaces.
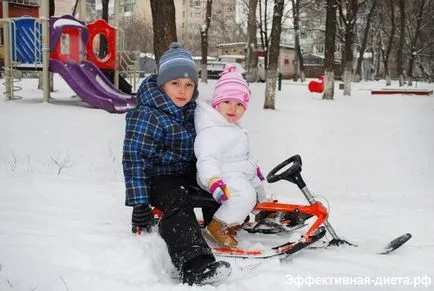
pixel 159 165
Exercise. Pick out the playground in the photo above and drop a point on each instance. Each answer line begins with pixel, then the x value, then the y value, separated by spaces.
pixel 71 48
pixel 64 226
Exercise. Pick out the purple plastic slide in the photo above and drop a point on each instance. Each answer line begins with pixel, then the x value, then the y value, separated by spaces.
pixel 87 85
pixel 102 78
pixel 97 84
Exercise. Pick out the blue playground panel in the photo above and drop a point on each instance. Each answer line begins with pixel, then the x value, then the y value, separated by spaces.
pixel 26 44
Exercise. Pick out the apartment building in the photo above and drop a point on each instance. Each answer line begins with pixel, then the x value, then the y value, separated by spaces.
pixel 129 9
pixel 189 14
pixel 17 8
pixel 63 7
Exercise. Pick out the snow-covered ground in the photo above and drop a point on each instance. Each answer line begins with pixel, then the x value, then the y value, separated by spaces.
pixel 64 226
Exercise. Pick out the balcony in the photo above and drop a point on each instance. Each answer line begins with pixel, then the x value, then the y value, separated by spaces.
pixel 127 2
pixel 34 3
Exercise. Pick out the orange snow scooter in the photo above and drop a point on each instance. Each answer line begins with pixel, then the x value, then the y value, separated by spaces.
pixel 281 220
pixel 281 224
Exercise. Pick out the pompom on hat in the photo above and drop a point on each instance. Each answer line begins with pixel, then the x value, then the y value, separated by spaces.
pixel 231 87
pixel 176 63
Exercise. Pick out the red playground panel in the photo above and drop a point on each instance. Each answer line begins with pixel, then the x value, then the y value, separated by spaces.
pixel 68 37
pixel 97 28
pixel 68 48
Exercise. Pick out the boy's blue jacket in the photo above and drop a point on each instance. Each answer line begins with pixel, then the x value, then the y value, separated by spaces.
pixel 159 138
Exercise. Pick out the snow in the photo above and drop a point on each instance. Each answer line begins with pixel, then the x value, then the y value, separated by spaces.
pixel 67 22
pixel 369 158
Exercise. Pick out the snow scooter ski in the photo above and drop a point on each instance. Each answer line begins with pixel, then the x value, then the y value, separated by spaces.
pixel 280 220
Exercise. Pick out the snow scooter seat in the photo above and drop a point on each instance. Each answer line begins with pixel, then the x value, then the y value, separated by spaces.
pixel 272 221
pixel 201 198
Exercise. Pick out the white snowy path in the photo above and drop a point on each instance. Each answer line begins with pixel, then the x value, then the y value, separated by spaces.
pixel 64 226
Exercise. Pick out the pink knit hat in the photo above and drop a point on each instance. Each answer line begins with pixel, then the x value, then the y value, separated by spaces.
pixel 231 87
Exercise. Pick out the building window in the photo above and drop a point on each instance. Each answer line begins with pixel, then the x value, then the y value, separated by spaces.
pixel 286 62
pixel 319 49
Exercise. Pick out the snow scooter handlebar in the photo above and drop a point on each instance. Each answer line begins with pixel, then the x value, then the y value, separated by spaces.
pixel 293 175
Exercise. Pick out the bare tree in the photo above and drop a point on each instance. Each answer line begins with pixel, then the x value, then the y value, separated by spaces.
pixel 418 20
pixel 271 75
pixel 252 43
pixel 399 58
pixel 163 21
pixel 371 11
pixel 329 62
pixel 144 43
pixel 204 42
pixel 224 28
pixel 61 163
pixel 348 16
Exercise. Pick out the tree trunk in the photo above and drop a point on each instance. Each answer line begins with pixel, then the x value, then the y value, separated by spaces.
pixel 102 40
pixel 164 25
pixel 389 44
pixel 263 24
pixel 385 56
pixel 329 61
pixel 414 41
pixel 204 42
pixel 348 59
pixel 365 41
pixel 252 48
pixel 400 60
pixel 276 29
pixel 299 70
pixel 348 15
pixel 52 8
pixel 105 10
pixel 51 11
pixel 75 7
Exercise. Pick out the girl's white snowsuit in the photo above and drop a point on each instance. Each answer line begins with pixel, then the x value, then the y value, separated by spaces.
pixel 222 150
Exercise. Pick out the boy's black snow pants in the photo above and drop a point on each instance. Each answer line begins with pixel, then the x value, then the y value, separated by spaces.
pixel 178 225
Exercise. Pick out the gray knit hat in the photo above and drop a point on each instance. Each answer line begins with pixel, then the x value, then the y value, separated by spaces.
pixel 176 63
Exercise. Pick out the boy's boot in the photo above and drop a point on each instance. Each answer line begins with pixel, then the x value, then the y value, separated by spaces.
pixel 205 270
pixel 220 233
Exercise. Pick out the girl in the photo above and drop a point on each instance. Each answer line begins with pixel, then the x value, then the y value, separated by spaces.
pixel 225 165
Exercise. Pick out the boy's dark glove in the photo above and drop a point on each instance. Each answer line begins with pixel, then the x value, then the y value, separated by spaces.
pixel 142 219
